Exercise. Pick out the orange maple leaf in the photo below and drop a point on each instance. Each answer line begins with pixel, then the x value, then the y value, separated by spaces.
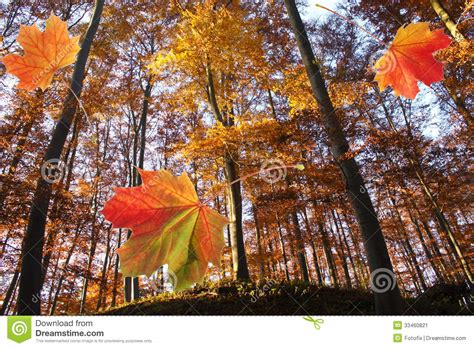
pixel 169 226
pixel 409 59
pixel 44 53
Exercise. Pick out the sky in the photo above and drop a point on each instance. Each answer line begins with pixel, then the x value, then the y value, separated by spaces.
pixel 313 12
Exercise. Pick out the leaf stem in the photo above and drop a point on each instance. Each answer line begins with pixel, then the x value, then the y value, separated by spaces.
pixel 353 23
pixel 298 166
pixel 245 177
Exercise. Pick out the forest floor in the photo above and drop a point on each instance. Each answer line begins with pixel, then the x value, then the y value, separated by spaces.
pixel 282 298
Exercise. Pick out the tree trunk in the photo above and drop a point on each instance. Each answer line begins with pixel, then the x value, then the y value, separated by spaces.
pixel 342 254
pixel 414 160
pixel 22 140
pixel 239 257
pixel 64 266
pixel 316 263
pixel 116 271
pixel 88 274
pixel 351 260
pixel 282 247
pixel 10 291
pixel 300 248
pixel 388 302
pixel 444 16
pixel 427 251
pixel 259 243
pixel 103 277
pixel 329 257
pixel 32 251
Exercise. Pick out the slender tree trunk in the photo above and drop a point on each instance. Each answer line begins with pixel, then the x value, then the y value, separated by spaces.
pixel 408 246
pixel 313 248
pixel 239 257
pixel 53 278
pixel 259 243
pixel 88 274
pixel 283 250
pixel 360 260
pixel 65 268
pixel 427 251
pixel 274 269
pixel 388 302
pixel 436 249
pixel 444 16
pixel 329 257
pixel 300 247
pixel 410 267
pixel 32 112
pixel 351 260
pixel 342 254
pixel 103 277
pixel 10 291
pixel 116 271
pixel 316 263
pixel 55 209
pixel 134 285
pixel 413 159
pixel 32 251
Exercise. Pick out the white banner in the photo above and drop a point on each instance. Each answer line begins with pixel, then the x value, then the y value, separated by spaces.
pixel 237 331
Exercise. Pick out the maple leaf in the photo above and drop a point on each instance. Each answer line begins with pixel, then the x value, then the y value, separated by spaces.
pixel 44 53
pixel 409 59
pixel 169 226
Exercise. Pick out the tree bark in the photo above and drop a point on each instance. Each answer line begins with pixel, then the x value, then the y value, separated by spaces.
pixel 116 271
pixel 414 161
pixel 239 257
pixel 329 257
pixel 66 263
pixel 10 291
pixel 388 302
pixel 444 16
pixel 258 237
pixel 32 252
pixel 103 277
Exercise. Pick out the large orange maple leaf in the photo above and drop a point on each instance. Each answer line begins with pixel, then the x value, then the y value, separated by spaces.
pixel 409 59
pixel 44 53
pixel 169 226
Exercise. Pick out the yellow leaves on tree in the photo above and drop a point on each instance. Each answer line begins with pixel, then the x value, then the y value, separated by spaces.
pixel 44 53
pixel 226 38
pixel 347 93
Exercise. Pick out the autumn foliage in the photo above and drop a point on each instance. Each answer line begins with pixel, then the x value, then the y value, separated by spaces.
pixel 198 152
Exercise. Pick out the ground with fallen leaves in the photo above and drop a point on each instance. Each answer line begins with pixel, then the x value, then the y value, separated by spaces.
pixel 232 298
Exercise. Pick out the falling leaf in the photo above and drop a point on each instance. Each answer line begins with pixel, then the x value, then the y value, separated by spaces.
pixel 169 226
pixel 44 53
pixel 409 59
